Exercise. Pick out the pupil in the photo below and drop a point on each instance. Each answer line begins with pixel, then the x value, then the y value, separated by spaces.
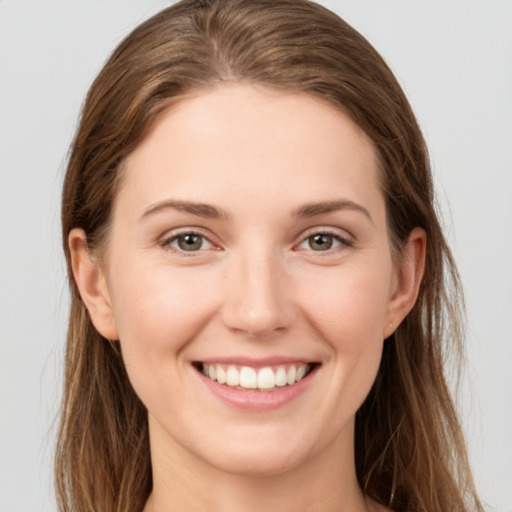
pixel 321 242
pixel 190 242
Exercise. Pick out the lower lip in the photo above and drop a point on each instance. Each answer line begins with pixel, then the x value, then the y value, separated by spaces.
pixel 255 400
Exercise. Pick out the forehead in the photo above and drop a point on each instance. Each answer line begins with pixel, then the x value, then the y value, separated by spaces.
pixel 246 140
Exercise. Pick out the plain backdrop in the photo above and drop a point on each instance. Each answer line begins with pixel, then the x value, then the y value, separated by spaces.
pixel 454 59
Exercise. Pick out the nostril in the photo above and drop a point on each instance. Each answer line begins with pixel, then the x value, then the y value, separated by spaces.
pixel 257 324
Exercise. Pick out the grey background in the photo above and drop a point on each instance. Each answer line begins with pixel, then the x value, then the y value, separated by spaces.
pixel 454 59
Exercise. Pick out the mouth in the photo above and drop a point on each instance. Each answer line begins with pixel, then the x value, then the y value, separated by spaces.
pixel 265 379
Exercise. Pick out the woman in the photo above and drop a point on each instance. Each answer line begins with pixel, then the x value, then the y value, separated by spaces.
pixel 260 284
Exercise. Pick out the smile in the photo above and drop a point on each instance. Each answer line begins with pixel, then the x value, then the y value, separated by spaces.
pixel 267 378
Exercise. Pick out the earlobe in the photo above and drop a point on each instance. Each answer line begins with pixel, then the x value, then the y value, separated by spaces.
pixel 408 281
pixel 92 285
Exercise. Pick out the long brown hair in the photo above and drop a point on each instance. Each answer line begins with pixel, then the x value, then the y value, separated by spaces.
pixel 410 453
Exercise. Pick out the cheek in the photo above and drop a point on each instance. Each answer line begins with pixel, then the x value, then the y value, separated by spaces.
pixel 158 311
pixel 349 315
pixel 350 306
pixel 159 304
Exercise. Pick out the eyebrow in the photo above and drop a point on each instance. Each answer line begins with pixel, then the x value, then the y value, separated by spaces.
pixel 199 209
pixel 212 212
pixel 313 209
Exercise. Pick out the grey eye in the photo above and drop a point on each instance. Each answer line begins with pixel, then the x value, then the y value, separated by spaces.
pixel 321 242
pixel 190 242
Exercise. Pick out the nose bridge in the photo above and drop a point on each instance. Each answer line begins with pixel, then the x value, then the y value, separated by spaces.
pixel 258 300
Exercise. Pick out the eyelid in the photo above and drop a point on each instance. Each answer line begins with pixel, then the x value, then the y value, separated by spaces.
pixel 166 240
pixel 341 235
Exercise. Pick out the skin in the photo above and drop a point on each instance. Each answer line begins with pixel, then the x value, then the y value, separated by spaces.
pixel 257 288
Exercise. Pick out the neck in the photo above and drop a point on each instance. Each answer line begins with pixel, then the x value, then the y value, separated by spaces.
pixel 326 482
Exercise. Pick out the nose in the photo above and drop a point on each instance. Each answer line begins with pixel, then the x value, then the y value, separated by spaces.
pixel 258 301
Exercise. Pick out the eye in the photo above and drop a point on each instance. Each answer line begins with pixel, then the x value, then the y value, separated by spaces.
pixel 188 242
pixel 324 241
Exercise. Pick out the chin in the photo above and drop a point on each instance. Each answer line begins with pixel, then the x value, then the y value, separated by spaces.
pixel 257 463
pixel 262 452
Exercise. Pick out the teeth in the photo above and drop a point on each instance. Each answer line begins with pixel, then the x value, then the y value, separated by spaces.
pixel 300 373
pixel 221 374
pixel 266 379
pixel 281 377
pixel 249 378
pixel 290 375
pixel 232 376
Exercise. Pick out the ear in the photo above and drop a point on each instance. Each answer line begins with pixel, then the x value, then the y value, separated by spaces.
pixel 407 281
pixel 92 285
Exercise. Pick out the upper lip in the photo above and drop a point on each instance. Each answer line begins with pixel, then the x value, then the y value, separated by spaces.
pixel 256 362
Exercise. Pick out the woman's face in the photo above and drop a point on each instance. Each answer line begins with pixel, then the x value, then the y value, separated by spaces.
pixel 249 242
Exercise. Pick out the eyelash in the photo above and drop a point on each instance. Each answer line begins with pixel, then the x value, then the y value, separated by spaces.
pixel 343 241
pixel 168 242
